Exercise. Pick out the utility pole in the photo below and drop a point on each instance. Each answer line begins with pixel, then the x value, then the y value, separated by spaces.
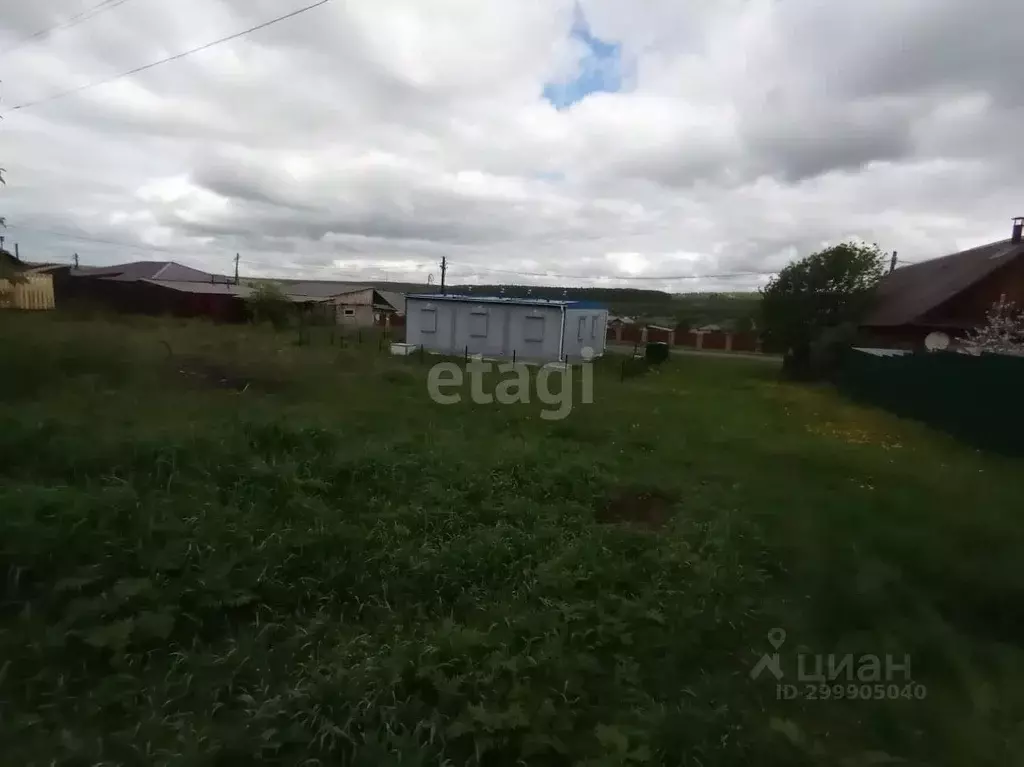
pixel 444 272
pixel 892 264
pixel 237 257
pixel 17 252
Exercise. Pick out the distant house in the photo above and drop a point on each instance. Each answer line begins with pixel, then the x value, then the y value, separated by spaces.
pixel 951 294
pixel 167 287
pixel 151 287
pixel 356 305
pixel 660 322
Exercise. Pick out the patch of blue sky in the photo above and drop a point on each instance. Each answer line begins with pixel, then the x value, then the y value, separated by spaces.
pixel 600 69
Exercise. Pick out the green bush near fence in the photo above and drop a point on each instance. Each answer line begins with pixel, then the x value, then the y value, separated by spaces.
pixel 976 399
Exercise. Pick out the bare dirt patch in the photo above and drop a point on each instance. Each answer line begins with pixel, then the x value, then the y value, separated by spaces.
pixel 211 374
pixel 650 508
pixel 214 373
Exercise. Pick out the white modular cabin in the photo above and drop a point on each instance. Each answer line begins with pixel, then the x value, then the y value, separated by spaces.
pixel 528 329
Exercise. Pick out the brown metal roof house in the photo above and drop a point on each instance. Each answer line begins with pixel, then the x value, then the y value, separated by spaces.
pixel 951 294
pixel 152 287
pixel 166 287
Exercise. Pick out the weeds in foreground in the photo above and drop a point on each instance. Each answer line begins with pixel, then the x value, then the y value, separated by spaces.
pixel 335 570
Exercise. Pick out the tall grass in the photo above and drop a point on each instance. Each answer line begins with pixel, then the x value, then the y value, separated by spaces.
pixel 329 568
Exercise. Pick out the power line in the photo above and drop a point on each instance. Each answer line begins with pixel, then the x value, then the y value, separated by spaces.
pixel 86 238
pixel 78 18
pixel 661 278
pixel 169 59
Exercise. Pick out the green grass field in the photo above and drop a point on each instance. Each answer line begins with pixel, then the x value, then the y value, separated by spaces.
pixel 329 568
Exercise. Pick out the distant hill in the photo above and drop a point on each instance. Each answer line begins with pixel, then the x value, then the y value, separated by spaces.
pixel 730 310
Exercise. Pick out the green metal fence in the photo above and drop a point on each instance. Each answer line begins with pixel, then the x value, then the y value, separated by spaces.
pixel 979 400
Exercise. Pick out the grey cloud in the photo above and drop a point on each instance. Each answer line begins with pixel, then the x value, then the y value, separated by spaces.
pixel 939 45
pixel 754 130
pixel 797 144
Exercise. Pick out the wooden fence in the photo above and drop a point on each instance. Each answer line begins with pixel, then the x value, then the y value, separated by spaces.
pixel 34 294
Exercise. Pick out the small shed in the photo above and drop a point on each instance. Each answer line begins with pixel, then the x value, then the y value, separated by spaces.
pixel 525 328
pixel 356 305
pixel 21 286
pixel 367 307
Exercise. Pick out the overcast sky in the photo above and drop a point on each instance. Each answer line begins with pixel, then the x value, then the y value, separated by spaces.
pixel 601 139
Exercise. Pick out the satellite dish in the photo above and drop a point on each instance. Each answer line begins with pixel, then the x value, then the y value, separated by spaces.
pixel 936 342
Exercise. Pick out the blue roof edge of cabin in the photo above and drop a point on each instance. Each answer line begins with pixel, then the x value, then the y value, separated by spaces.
pixel 462 298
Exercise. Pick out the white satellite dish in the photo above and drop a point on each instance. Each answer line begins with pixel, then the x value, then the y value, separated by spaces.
pixel 936 342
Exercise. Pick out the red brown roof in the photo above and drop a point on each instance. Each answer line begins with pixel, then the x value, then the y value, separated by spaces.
pixel 908 293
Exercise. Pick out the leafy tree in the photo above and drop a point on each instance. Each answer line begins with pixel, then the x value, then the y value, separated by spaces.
pixel 1002 333
pixel 745 324
pixel 268 303
pixel 826 290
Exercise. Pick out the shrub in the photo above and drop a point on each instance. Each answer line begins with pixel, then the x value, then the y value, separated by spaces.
pixel 268 303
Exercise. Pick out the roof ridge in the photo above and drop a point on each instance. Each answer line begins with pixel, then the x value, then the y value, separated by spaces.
pixel 909 293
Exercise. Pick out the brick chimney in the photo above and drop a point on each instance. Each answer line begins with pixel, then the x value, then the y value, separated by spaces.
pixel 1018 227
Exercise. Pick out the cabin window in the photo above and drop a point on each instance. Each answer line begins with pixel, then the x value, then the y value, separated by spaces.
pixel 478 323
pixel 533 329
pixel 428 320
